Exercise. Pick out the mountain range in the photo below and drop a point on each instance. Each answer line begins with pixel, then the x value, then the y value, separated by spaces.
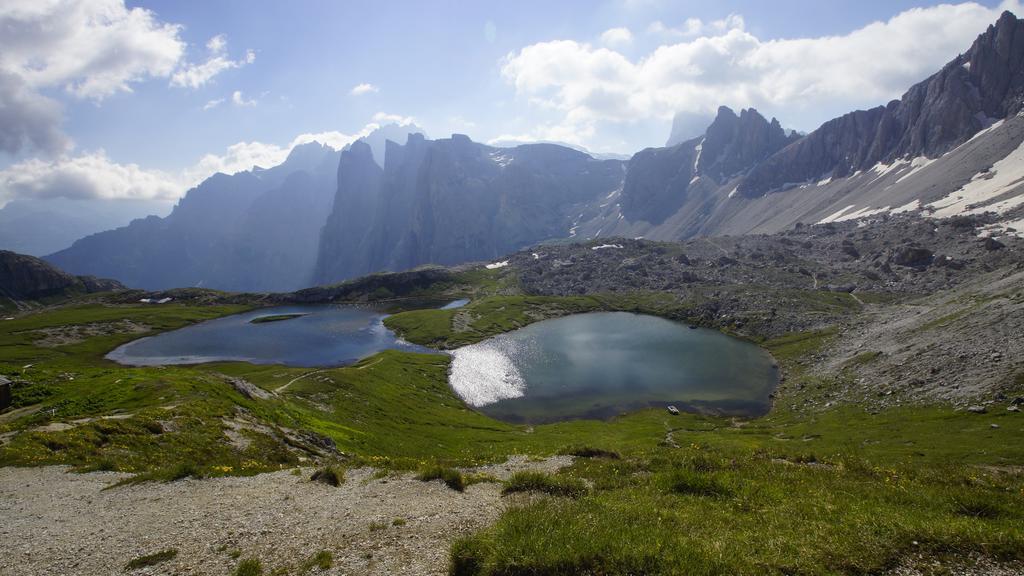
pixel 952 145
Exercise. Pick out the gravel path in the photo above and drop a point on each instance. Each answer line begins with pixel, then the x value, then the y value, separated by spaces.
pixel 60 523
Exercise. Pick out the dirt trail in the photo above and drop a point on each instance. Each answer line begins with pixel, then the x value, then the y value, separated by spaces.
pixel 284 387
pixel 58 523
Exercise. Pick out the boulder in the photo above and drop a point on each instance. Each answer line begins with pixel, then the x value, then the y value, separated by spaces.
pixel 991 244
pixel 912 256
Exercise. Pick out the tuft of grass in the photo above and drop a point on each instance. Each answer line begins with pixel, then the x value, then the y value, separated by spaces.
pixel 450 476
pixel 151 559
pixel 330 475
pixel 528 481
pixel 179 471
pixel 697 484
pixel 590 452
pixel 377 526
pixel 249 567
pixel 398 522
pixel 468 556
pixel 322 560
pixel 977 506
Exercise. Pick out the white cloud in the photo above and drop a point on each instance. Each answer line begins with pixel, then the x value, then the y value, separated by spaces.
pixel 617 37
pixel 385 118
pixel 695 26
pixel 238 100
pixel 364 88
pixel 90 48
pixel 198 75
pixel 28 118
pixel 211 104
pixel 587 85
pixel 88 176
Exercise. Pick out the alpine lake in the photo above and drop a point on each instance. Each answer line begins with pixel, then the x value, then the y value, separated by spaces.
pixel 596 365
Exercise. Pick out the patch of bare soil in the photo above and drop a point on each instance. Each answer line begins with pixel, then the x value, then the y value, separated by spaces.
pixel 73 333
pixel 59 523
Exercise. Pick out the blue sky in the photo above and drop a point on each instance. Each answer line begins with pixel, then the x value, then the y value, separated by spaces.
pixel 604 75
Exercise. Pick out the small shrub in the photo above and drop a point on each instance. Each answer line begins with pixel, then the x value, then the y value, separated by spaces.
pixel 697 484
pixel 546 483
pixel 590 452
pixel 151 559
pixel 451 477
pixel 331 475
pixel 249 567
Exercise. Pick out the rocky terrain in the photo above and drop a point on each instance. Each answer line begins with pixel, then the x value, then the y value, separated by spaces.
pixel 904 295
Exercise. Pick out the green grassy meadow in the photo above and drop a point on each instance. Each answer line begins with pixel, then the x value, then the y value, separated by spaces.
pixel 825 491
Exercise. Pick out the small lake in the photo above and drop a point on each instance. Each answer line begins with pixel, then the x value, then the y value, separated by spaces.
pixel 319 336
pixel 602 364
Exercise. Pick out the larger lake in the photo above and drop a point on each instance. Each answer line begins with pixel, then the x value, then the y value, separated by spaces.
pixel 603 364
pixel 314 336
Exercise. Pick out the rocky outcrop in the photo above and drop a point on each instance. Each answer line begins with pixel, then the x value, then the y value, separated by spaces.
pixel 453 200
pixel 984 84
pixel 29 278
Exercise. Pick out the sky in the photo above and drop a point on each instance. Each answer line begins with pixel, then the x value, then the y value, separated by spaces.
pixel 108 100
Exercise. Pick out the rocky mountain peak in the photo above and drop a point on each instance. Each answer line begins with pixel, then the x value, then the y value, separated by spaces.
pixel 733 144
pixel 995 65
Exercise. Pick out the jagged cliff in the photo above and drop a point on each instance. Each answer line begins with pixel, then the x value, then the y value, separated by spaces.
pixel 982 85
pixel 453 200
pixel 658 179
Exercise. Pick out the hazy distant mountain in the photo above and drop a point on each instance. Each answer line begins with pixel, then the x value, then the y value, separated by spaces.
pixel 253 230
pixel 377 140
pixel 505 143
pixel 686 126
pixel 454 200
pixel 256 230
pixel 953 144
pixel 43 226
